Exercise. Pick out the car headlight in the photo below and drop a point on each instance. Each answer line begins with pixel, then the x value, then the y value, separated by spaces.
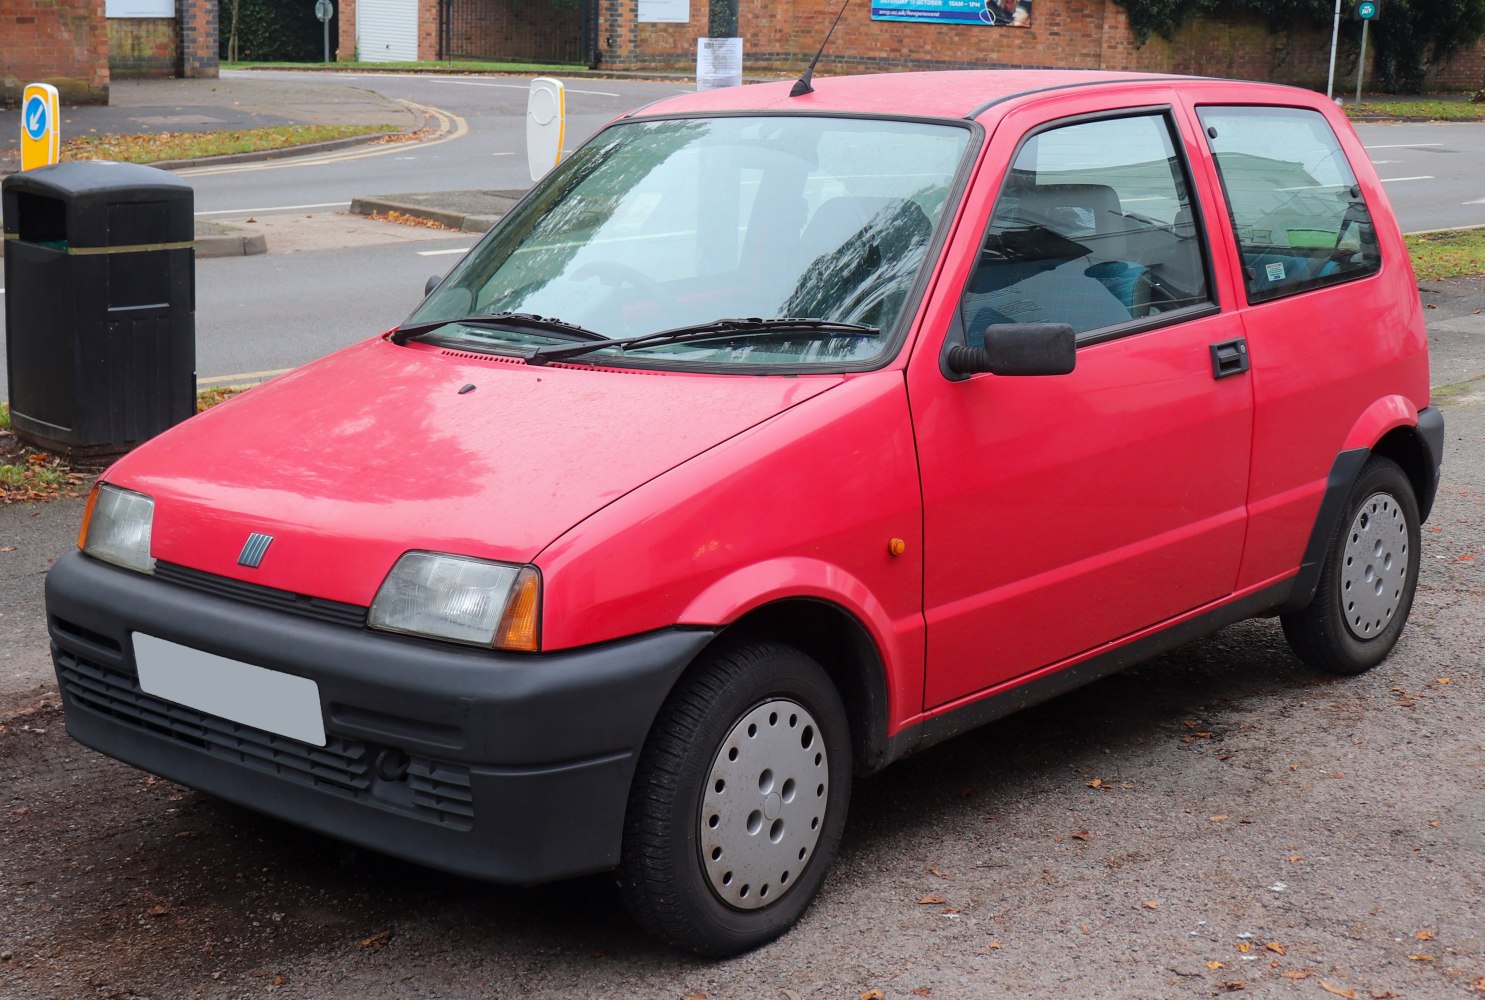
pixel 116 528
pixel 461 599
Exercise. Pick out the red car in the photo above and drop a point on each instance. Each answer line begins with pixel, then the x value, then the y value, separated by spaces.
pixel 768 440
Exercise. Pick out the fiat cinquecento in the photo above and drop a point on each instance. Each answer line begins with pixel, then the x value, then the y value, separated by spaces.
pixel 768 440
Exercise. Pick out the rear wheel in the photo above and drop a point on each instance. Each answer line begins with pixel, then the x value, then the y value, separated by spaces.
pixel 738 802
pixel 1366 585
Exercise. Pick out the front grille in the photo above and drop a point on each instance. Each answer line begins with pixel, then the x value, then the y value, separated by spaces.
pixel 318 608
pixel 439 791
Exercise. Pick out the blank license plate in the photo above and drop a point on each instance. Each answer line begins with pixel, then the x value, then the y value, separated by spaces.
pixel 254 696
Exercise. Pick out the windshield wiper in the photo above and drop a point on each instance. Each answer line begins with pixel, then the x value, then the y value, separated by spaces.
pixel 504 321
pixel 722 329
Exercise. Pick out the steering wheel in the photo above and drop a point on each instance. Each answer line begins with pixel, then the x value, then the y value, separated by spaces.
pixel 615 273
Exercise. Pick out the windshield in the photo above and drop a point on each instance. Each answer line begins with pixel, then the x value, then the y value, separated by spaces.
pixel 661 225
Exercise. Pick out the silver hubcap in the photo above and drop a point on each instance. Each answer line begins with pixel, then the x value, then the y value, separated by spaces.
pixel 1374 566
pixel 764 806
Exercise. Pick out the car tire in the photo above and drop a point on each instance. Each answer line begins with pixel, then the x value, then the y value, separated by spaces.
pixel 738 801
pixel 1366 584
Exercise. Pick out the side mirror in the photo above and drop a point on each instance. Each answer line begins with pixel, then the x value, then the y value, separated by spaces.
pixel 433 283
pixel 1018 349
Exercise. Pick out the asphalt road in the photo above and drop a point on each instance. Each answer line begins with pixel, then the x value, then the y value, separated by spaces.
pixel 489 117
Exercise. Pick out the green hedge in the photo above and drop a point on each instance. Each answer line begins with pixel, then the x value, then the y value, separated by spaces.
pixel 276 31
pixel 1409 35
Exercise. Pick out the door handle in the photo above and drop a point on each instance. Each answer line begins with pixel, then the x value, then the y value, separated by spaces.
pixel 1229 358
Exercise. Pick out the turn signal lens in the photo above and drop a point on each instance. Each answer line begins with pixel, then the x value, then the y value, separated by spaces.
pixel 519 624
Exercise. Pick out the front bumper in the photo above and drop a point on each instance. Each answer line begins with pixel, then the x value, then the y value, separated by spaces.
pixel 512 768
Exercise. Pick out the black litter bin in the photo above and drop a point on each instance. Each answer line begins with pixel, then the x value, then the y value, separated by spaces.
pixel 100 304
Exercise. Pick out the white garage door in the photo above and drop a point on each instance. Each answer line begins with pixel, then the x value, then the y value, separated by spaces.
pixel 387 30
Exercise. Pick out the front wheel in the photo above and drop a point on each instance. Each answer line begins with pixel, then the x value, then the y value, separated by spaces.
pixel 1366 585
pixel 738 801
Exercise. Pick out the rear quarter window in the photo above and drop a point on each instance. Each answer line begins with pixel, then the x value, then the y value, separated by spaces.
pixel 1300 219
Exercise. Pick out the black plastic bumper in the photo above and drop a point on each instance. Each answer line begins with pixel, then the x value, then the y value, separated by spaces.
pixel 504 767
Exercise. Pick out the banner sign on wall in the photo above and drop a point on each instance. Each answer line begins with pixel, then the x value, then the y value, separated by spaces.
pixel 665 11
pixel 1011 13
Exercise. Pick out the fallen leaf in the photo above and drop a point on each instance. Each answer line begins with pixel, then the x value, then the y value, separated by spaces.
pixel 7 548
pixel 992 946
pixel 1441 680
pixel 1423 935
pixel 1150 904
pixel 279 980
pixel 1339 991
pixel 1096 783
pixel 1296 974
pixel 1420 958
pixel 1433 822
pixel 923 991
pixel 931 901
pixel 159 910
pixel 1296 858
pixel 935 871
pixel 1082 835
pixel 1478 986
pixel 1244 947
pixel 1214 965
pixel 1218 818
pixel 1384 995
pixel 1234 986
pixel 1085 928
pixel 873 995
pixel 696 996
pixel 377 940
pixel 1277 948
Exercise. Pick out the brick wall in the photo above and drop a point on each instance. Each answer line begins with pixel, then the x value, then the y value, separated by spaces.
pixel 1081 34
pixel 142 47
pixel 345 43
pixel 428 29
pixel 61 42
pixel 198 38
pixel 515 29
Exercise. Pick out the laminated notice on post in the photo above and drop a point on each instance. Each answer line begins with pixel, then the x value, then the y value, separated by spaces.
pixel 718 63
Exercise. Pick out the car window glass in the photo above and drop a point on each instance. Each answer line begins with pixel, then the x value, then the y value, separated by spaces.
pixel 1093 228
pixel 1299 217
pixel 656 225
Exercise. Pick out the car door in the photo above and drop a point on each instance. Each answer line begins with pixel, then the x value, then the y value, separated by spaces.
pixel 1063 513
pixel 1330 335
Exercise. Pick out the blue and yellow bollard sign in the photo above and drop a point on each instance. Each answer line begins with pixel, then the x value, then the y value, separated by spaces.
pixel 41 126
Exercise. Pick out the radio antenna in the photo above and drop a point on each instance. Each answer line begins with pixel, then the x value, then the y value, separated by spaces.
pixel 802 85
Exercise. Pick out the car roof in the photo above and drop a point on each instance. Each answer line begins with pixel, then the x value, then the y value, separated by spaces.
pixel 941 94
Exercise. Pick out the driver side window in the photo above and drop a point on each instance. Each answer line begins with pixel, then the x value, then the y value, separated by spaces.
pixel 1093 228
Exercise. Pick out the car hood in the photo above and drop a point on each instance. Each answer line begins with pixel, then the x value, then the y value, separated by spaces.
pixel 380 449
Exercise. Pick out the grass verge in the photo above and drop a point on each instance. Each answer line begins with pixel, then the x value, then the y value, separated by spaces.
pixel 446 66
pixel 1454 254
pixel 29 474
pixel 154 146
pixel 1418 110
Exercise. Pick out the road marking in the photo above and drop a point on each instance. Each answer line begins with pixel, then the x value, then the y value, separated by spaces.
pixel 440 253
pixel 1424 177
pixel 1378 163
pixel 225 380
pixel 275 208
pixel 1405 145
pixel 450 127
pixel 1477 201
pixel 514 86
